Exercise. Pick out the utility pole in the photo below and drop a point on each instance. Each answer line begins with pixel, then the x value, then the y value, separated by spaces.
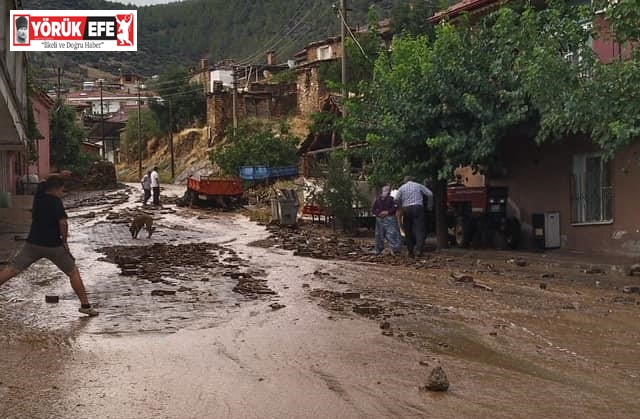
pixel 343 61
pixel 104 143
pixel 235 99
pixel 343 50
pixel 173 175
pixel 58 106
pixel 139 136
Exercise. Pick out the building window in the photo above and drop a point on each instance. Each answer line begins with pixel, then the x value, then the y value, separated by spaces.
pixel 592 197
pixel 324 53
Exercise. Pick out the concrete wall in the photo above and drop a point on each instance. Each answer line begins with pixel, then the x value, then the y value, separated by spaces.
pixel 539 180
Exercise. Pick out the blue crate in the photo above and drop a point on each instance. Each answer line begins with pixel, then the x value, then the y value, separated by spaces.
pixel 254 172
pixel 285 171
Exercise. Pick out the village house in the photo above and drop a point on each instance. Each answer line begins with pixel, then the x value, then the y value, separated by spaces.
pixel 41 105
pixel 257 94
pixel 13 108
pixel 311 91
pixel 105 123
pixel 595 198
pixel 14 214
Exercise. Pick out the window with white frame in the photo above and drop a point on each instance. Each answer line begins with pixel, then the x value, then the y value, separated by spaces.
pixel 592 195
pixel 324 52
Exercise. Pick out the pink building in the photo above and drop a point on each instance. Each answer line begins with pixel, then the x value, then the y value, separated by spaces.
pixel 41 105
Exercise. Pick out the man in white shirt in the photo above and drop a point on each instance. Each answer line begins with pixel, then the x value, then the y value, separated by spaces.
pixel 155 186
pixel 410 198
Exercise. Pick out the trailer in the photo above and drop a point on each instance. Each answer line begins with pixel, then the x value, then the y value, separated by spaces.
pixel 220 192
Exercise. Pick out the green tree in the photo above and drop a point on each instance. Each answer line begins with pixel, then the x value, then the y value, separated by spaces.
pixel 412 19
pixel 255 145
pixel 187 100
pixel 66 137
pixel 435 106
pixel 338 193
pixel 149 128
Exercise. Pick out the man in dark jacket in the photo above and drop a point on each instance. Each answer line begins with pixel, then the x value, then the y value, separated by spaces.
pixel 384 208
pixel 48 239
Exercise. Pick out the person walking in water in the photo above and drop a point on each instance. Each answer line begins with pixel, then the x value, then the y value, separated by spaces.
pixel 48 239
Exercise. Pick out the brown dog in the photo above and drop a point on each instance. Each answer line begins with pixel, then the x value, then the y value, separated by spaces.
pixel 138 222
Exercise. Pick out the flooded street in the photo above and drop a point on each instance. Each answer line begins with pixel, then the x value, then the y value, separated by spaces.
pixel 217 317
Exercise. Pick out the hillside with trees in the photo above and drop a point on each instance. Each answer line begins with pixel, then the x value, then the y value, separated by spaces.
pixel 182 33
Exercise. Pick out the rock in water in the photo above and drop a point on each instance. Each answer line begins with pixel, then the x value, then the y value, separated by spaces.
pixel 438 380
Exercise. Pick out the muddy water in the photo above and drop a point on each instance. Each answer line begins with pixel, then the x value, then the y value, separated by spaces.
pixel 224 355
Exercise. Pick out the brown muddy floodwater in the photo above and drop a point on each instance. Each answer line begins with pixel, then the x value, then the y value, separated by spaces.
pixel 174 340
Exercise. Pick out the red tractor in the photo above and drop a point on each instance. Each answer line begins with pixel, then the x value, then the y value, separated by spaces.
pixel 479 213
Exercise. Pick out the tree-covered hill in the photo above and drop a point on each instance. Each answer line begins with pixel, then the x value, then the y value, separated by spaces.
pixel 184 32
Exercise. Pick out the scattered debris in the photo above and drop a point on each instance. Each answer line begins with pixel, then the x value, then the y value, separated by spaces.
pixel 277 306
pixel 482 287
pixel 631 289
pixel 592 270
pixel 462 278
pixel 521 262
pixel 51 299
pixel 367 310
pixel 162 293
pixel 634 270
pixel 350 295
pixel 385 325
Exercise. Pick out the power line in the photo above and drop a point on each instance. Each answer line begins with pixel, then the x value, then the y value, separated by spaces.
pixel 285 36
pixel 272 39
pixel 344 22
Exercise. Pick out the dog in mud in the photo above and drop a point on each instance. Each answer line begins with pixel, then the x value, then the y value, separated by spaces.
pixel 140 221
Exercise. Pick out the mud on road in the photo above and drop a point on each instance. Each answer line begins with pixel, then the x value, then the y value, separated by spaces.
pixel 216 317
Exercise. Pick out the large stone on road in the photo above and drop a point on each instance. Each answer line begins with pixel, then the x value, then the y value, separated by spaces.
pixel 438 380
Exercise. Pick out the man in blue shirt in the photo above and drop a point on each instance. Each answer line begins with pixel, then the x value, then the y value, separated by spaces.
pixel 411 197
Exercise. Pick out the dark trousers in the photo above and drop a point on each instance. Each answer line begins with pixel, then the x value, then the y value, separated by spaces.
pixel 156 195
pixel 414 228
pixel 147 195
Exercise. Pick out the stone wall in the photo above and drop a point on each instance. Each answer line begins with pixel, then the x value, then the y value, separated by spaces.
pixel 310 90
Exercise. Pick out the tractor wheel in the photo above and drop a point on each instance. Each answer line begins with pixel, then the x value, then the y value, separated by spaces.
pixel 193 198
pixel 512 233
pixel 461 232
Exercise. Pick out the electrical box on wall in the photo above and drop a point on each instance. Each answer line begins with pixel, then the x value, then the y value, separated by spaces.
pixel 546 230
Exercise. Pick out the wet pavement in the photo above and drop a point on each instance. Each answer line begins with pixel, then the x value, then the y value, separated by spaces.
pixel 218 317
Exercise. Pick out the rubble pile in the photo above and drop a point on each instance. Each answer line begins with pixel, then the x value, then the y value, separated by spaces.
pixel 165 263
pixel 93 199
pixel 101 175
pixel 322 244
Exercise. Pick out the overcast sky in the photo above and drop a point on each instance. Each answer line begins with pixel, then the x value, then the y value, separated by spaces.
pixel 145 2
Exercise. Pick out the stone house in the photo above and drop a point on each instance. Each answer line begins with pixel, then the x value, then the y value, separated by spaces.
pixel 311 91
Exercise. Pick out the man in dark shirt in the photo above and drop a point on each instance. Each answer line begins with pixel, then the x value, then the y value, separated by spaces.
pixel 48 239
pixel 384 208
